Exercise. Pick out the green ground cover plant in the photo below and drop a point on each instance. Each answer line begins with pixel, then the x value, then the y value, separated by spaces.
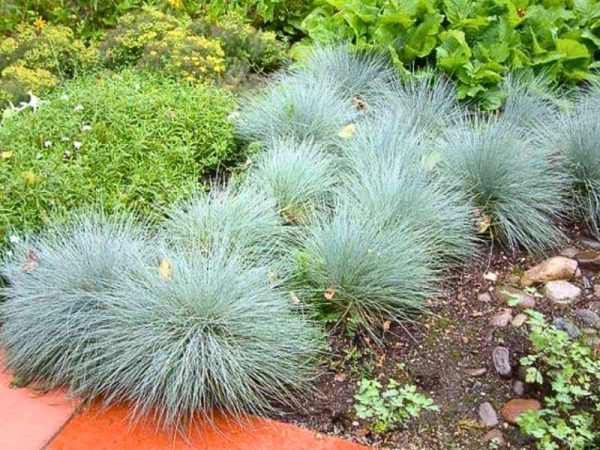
pixel 571 372
pixel 131 140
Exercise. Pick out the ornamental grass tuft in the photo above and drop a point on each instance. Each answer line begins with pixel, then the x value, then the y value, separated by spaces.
pixel 100 307
pixel 300 176
pixel 517 187
pixel 359 273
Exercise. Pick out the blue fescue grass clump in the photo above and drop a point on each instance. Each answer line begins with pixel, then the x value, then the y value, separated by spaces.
pixel 426 101
pixel 54 294
pixel 388 176
pixel 359 273
pixel 575 135
pixel 359 75
pixel 242 219
pixel 300 176
pixel 214 334
pixel 518 188
pixel 298 107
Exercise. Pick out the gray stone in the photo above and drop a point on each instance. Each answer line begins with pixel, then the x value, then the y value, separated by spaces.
pixel 502 318
pixel 518 388
pixel 487 415
pixel 588 260
pixel 590 243
pixel 587 317
pixel 562 292
pixel 569 252
pixel 484 297
pixel 566 326
pixel 501 359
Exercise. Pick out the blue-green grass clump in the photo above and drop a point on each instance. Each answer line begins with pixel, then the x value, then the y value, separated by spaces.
pixel 426 101
pixel 215 335
pixel 102 307
pixel 359 273
pixel 518 189
pixel 54 296
pixel 300 176
pixel 303 107
pixel 575 135
pixel 359 75
pixel 389 175
pixel 240 219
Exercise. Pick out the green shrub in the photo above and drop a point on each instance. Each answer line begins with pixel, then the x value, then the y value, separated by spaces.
pixel 130 140
pixel 571 371
pixel 102 309
pixel 518 189
pixel 386 410
pixel 359 273
pixel 38 57
pixel 475 42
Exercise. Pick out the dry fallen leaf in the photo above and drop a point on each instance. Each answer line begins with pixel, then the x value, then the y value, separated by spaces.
pixel 329 293
pixel 469 423
pixel 31 263
pixel 490 276
pixel 348 131
pixel 165 270
pixel 359 104
pixel 339 377
pixel 295 299
pixel 482 221
pixel 386 325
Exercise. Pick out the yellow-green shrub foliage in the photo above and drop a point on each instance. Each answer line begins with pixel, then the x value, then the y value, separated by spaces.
pixel 192 58
pixel 38 56
pixel 126 44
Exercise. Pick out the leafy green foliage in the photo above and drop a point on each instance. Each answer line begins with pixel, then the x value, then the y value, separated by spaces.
pixel 387 409
pixel 571 371
pixel 38 57
pixel 475 42
pixel 132 140
pixel 174 334
pixel 519 191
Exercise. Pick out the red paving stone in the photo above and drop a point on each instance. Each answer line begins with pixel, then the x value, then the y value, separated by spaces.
pixel 96 429
pixel 29 419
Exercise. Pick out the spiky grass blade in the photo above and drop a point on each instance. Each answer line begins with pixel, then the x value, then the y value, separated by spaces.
pixel 241 219
pixel 298 107
pixel 361 273
pixel 359 75
pixel 216 335
pixel 388 175
pixel 53 298
pixel 576 136
pixel 300 176
pixel 511 180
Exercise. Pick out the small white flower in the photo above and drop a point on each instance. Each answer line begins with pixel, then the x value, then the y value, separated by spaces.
pixel 38 156
pixel 86 128
pixel 64 97
pixel 8 253
pixel 67 154
pixel 14 239
pixel 77 144
pixel 137 86
pixel 78 108
pixel 64 139
pixel 47 144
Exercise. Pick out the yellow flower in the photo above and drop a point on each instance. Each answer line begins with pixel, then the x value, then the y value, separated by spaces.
pixel 39 23
pixel 177 4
